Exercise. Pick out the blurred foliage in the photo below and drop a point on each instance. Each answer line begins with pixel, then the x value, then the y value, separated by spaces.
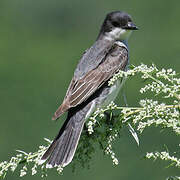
pixel 40 44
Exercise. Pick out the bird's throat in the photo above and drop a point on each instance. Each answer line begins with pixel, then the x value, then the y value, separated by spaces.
pixel 118 34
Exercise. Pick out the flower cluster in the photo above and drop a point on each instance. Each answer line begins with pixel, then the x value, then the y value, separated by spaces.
pixel 104 126
pixel 109 150
pixel 92 120
pixel 171 87
pixel 99 113
pixel 152 112
pixel 26 159
pixel 155 113
pixel 164 156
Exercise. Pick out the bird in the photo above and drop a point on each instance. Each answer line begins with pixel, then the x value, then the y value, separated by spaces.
pixel 88 89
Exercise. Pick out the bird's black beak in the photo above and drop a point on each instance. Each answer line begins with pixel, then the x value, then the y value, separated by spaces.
pixel 131 26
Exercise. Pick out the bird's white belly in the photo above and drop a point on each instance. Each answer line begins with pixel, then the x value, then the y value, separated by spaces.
pixel 113 92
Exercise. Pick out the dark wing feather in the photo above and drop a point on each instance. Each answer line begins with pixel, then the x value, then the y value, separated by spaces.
pixel 80 90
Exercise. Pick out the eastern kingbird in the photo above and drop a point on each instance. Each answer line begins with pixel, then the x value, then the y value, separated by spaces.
pixel 89 86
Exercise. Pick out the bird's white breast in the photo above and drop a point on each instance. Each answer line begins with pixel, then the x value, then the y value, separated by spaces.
pixel 113 92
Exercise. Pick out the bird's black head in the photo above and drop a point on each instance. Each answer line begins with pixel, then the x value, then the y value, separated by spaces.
pixel 115 21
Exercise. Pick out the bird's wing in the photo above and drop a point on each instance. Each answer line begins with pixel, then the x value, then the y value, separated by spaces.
pixel 81 89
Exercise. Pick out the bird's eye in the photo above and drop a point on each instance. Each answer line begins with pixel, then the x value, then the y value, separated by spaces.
pixel 115 24
pixel 123 22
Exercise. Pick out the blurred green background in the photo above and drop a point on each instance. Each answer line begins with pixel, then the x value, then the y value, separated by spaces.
pixel 41 42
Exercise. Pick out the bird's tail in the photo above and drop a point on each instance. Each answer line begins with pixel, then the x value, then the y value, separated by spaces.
pixel 62 149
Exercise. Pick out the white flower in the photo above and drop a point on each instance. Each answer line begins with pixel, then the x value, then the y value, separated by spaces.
pixel 23 171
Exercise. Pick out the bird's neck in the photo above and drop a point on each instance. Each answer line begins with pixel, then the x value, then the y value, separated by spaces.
pixel 107 40
pixel 117 34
